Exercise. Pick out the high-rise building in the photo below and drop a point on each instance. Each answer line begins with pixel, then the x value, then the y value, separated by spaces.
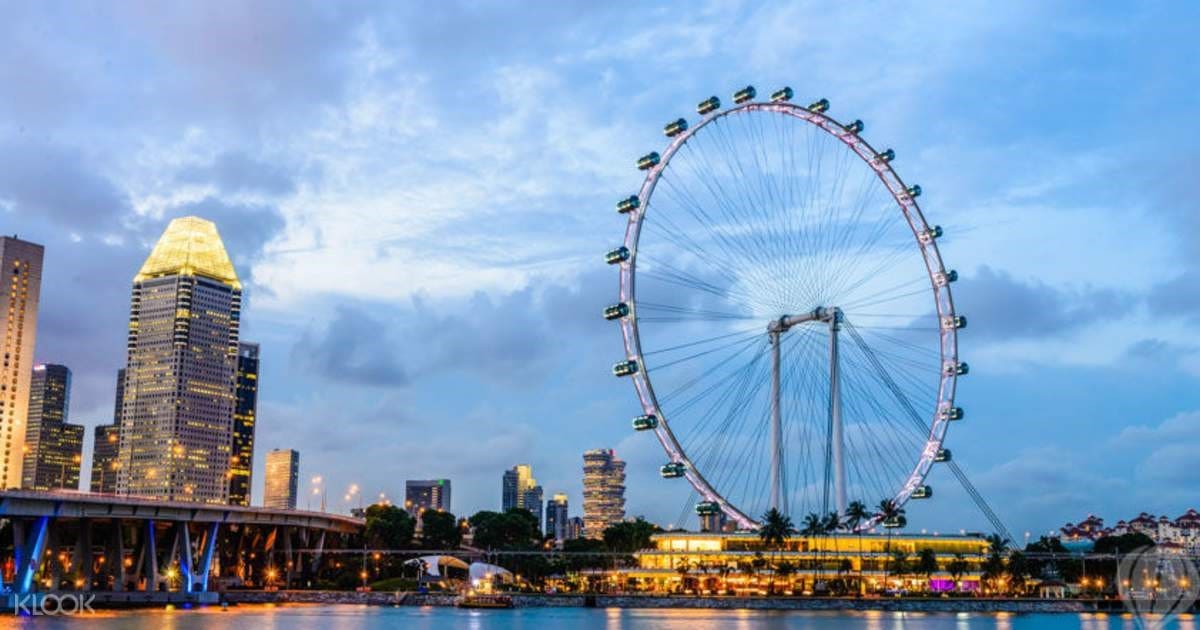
pixel 20 286
pixel 532 501
pixel 516 481
pixel 245 411
pixel 105 447
pixel 177 418
pixel 426 494
pixel 53 448
pixel 574 528
pixel 603 491
pixel 557 517
pixel 282 480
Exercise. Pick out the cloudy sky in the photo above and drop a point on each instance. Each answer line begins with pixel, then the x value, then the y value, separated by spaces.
pixel 416 196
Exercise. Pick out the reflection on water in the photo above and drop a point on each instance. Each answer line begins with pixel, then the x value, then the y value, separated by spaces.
pixel 302 617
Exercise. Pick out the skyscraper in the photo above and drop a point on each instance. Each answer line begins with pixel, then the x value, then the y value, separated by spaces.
pixel 603 491
pixel 283 477
pixel 177 421
pixel 241 462
pixel 20 285
pixel 105 447
pixel 557 517
pixel 532 501
pixel 426 494
pixel 53 448
pixel 516 481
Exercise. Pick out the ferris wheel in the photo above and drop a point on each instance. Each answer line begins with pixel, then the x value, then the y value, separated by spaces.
pixel 787 319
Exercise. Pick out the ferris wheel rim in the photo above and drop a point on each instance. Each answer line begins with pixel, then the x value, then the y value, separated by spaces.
pixel 912 214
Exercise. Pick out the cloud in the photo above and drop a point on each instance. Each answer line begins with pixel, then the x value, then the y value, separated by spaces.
pixel 1000 307
pixel 1177 297
pixel 354 349
pixel 237 172
pixel 56 182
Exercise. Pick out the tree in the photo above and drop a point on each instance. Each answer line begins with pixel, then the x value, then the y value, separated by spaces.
pixel 856 515
pixel 957 567
pixel 994 567
pixel 899 562
pixel 776 529
pixel 1018 568
pixel 1123 544
pixel 515 529
pixel 388 527
pixel 440 530
pixel 629 536
pixel 927 563
pixel 889 510
pixel 584 553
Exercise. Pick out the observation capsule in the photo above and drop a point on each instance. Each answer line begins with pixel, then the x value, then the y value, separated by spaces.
pixel 745 94
pixel 616 311
pixel 932 233
pixel 672 470
pixel 886 156
pixel 645 423
pixel 895 522
pixel 675 128
pixel 819 107
pixel 780 96
pixel 953 413
pixel 625 368
pixel 960 368
pixel 628 204
pixel 648 161
pixel 945 277
pixel 707 507
pixel 913 191
pixel 954 321
pixel 855 127
pixel 709 105
pixel 617 256
pixel 943 455
pixel 923 492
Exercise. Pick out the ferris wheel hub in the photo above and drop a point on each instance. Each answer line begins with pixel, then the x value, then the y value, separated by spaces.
pixel 829 314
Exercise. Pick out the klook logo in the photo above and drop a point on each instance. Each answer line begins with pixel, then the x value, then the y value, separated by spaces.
pixel 1156 585
pixel 53 604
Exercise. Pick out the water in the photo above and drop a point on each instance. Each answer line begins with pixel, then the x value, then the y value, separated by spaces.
pixel 351 617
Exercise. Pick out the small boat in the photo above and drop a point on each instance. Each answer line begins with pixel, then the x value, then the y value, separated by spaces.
pixel 482 600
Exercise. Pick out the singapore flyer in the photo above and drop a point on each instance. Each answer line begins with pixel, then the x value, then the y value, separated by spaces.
pixel 787 318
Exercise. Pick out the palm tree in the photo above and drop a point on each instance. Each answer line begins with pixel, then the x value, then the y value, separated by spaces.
pixel 926 563
pixel 776 529
pixel 889 509
pixel 856 513
pixel 899 564
pixel 957 567
pixel 994 566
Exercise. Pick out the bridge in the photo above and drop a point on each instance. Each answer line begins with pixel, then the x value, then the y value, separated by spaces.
pixel 62 540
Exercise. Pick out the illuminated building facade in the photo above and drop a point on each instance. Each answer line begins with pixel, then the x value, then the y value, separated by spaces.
pixel 603 491
pixel 742 564
pixel 557 518
pixel 53 448
pixel 177 415
pixel 20 286
pixel 426 494
pixel 105 448
pixel 282 480
pixel 516 482
pixel 245 412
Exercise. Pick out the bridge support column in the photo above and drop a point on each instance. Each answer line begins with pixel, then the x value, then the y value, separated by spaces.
pixel 288 561
pixel 114 555
pixel 150 552
pixel 182 552
pixel 208 545
pixel 83 557
pixel 35 546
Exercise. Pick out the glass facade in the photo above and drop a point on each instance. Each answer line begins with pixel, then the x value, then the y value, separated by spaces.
pixel 20 285
pixel 52 448
pixel 245 411
pixel 105 447
pixel 426 494
pixel 177 414
pixel 557 517
pixel 282 480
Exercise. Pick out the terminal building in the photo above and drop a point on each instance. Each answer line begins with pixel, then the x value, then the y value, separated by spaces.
pixel 741 564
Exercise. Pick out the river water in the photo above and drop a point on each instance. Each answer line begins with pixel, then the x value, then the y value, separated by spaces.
pixel 355 617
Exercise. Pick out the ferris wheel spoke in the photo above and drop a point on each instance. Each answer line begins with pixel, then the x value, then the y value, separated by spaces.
pixel 710 374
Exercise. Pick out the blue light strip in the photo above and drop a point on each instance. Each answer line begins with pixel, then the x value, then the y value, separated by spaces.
pixel 35 554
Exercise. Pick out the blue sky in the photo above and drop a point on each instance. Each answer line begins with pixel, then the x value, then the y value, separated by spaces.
pixel 416 198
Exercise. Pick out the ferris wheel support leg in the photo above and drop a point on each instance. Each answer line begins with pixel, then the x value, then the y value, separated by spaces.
pixel 776 428
pixel 835 412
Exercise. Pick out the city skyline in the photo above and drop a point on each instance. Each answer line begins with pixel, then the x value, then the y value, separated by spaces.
pixel 394 257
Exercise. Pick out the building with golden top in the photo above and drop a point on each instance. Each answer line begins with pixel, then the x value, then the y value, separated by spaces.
pixel 20 287
pixel 177 414
pixel 742 564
